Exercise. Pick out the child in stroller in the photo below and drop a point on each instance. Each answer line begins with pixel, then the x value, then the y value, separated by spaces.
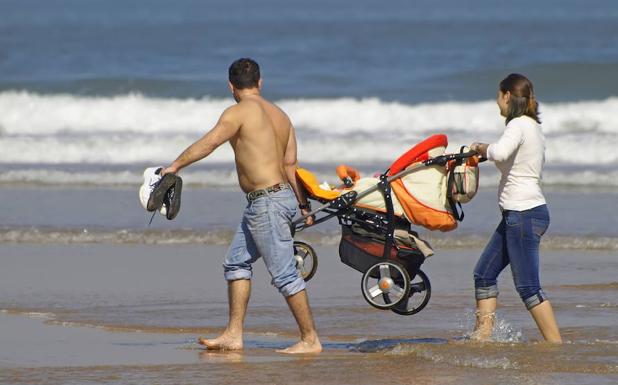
pixel 422 188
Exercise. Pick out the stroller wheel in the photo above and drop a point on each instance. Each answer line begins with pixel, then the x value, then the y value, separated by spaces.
pixel 420 292
pixel 385 284
pixel 306 260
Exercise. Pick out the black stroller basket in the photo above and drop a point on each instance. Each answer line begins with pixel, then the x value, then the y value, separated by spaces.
pixel 360 251
pixel 368 238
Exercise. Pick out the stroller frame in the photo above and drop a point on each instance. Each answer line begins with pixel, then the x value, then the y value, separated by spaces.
pixel 392 280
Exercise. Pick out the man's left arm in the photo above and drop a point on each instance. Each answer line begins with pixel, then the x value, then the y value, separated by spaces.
pixel 223 131
pixel 290 163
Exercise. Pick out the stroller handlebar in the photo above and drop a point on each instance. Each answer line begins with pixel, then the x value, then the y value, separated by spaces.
pixel 443 159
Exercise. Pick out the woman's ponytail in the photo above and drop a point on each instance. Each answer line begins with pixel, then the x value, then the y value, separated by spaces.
pixel 533 108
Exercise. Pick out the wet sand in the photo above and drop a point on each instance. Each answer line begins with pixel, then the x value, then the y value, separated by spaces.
pixel 129 314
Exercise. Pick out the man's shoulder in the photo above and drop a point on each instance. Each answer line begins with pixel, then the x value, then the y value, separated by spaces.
pixel 279 109
pixel 241 109
pixel 276 112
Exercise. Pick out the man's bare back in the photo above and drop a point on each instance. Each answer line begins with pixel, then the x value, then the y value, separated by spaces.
pixel 259 133
pixel 260 143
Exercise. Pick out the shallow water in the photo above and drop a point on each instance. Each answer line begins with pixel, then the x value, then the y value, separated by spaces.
pixel 58 214
pixel 125 314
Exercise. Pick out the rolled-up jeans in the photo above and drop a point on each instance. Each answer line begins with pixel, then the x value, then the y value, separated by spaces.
pixel 515 242
pixel 264 231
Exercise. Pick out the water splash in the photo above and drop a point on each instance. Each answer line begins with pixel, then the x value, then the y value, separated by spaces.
pixel 503 332
pixel 506 332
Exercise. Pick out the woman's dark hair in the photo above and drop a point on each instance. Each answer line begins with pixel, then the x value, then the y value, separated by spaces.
pixel 244 73
pixel 522 101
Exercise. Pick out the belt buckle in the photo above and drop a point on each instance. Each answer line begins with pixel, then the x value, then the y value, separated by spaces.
pixel 274 188
pixel 253 195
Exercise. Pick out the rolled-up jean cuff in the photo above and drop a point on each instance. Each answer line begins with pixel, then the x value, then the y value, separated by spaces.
pixel 293 287
pixel 486 292
pixel 234 275
pixel 535 300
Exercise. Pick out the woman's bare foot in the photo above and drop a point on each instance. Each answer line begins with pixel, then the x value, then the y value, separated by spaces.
pixel 225 341
pixel 303 347
pixel 484 326
pixel 480 336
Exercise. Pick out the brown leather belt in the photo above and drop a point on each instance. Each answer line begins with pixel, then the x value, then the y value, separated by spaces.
pixel 253 195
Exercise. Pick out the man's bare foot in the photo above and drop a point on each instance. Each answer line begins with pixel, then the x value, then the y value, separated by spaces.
pixel 224 342
pixel 303 347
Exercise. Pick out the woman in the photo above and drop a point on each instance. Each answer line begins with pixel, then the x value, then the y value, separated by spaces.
pixel 519 155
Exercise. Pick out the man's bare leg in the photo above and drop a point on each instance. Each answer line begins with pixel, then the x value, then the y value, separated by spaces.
pixel 239 292
pixel 309 341
pixel 543 315
pixel 485 318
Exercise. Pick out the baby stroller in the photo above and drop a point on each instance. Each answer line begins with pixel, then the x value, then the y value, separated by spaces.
pixel 422 187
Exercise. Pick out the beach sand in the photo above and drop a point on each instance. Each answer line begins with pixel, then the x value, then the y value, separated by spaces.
pixel 129 314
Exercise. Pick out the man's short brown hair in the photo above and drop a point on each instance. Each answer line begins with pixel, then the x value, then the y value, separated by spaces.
pixel 244 73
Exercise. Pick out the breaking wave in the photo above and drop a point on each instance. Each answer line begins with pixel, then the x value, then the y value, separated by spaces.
pixel 132 128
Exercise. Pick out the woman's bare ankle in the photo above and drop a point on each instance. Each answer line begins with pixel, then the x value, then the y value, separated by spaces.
pixel 484 325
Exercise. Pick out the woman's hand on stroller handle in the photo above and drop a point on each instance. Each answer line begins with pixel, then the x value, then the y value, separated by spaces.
pixel 479 148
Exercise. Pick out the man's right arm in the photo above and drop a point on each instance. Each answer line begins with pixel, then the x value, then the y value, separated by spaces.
pixel 224 130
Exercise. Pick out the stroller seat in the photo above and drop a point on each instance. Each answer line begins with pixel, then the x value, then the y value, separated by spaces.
pixel 419 197
pixel 373 201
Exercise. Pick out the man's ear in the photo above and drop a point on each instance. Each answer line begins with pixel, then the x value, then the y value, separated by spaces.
pixel 231 87
pixel 260 84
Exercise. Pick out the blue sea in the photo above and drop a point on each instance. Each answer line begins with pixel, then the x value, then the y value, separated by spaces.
pixel 93 91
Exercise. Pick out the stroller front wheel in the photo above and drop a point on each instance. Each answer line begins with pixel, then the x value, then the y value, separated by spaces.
pixel 385 284
pixel 420 292
pixel 306 260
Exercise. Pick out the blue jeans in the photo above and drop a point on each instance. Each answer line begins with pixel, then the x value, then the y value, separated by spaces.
pixel 264 231
pixel 515 242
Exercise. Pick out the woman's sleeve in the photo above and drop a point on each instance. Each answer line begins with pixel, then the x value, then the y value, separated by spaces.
pixel 506 145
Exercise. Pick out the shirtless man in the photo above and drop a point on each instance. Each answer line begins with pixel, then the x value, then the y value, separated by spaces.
pixel 264 144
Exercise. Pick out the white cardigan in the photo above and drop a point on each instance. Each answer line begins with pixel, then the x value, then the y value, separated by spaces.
pixel 519 155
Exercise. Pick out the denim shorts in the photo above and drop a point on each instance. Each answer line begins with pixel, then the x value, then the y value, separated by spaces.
pixel 264 231
pixel 516 242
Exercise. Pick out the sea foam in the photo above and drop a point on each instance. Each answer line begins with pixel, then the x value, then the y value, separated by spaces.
pixel 129 129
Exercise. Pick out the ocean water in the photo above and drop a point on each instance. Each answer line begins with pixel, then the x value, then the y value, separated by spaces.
pixel 92 92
